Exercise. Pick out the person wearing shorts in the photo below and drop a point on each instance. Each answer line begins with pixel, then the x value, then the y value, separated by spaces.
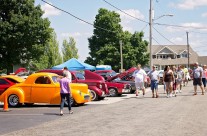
pixel 197 78
pixel 139 76
pixel 168 78
pixel 154 78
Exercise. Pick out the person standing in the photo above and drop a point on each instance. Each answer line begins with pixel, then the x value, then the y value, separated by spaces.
pixel 204 77
pixel 139 76
pixel 65 69
pixel 65 92
pixel 168 78
pixel 180 77
pixel 154 80
pixel 175 81
pixel 197 78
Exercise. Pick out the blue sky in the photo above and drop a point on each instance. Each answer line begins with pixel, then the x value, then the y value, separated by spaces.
pixel 190 13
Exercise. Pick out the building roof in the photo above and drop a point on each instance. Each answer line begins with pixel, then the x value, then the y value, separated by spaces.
pixel 177 49
pixel 202 60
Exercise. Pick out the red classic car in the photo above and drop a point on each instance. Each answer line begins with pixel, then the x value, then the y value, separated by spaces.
pixel 115 88
pixel 96 83
pixel 125 77
pixel 7 81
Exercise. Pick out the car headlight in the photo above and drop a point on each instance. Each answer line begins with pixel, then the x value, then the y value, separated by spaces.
pixel 79 92
pixel 100 86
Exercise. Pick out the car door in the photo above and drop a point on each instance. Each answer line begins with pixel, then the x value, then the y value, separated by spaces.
pixel 42 90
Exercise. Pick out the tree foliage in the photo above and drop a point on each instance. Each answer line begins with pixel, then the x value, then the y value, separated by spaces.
pixel 51 55
pixel 104 45
pixel 69 49
pixel 24 32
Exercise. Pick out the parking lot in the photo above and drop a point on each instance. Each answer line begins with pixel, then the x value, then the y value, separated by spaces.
pixel 183 115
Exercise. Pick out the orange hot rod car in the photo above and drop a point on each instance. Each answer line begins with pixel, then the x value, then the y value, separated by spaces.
pixel 43 88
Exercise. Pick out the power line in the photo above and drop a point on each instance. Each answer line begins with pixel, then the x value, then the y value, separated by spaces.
pixel 78 18
pixel 163 36
pixel 155 40
pixel 125 12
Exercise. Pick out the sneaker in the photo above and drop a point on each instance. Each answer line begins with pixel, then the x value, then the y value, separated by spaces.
pixel 170 96
pixel 143 95
pixel 167 95
pixel 180 91
pixel 70 112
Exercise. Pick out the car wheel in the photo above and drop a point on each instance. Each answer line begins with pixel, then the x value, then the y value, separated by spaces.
pixel 113 92
pixel 94 96
pixel 13 100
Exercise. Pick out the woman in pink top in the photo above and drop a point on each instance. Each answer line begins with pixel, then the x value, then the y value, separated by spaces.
pixel 65 93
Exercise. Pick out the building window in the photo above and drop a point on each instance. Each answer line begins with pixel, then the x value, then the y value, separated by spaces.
pixel 184 55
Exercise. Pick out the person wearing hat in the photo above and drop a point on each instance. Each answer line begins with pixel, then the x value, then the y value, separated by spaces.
pixel 197 78
pixel 154 80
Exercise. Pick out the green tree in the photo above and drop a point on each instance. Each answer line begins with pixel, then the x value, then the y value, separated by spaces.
pixel 69 49
pixel 51 55
pixel 104 45
pixel 140 48
pixel 24 32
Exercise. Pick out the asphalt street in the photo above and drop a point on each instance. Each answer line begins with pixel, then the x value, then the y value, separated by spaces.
pixel 184 115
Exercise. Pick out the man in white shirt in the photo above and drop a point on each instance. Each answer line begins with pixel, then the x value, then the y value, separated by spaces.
pixel 154 80
pixel 139 78
pixel 68 74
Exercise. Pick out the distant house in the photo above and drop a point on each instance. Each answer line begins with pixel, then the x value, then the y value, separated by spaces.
pixel 175 55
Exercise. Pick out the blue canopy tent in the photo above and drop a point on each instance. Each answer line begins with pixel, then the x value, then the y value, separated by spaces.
pixel 74 64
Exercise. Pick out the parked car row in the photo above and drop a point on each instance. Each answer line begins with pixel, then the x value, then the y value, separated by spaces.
pixel 42 86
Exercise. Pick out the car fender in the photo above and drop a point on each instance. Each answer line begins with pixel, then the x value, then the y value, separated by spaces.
pixel 55 99
pixel 16 91
pixel 96 89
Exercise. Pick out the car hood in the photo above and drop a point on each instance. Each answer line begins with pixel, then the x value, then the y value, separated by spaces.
pixel 131 70
pixel 93 76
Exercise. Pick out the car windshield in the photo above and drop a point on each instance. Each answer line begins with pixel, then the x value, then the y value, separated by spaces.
pixel 55 79
pixel 113 73
pixel 80 75
pixel 117 79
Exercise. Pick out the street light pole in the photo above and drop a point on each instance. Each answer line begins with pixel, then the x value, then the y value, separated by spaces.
pixel 150 34
pixel 120 42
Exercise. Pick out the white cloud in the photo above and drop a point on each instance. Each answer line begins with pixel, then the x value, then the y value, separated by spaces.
pixel 204 14
pixel 49 10
pixel 75 34
pixel 187 27
pixel 132 12
pixel 178 40
pixel 190 4
pixel 126 19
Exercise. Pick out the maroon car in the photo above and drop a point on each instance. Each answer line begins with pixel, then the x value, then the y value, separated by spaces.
pixel 95 82
pixel 115 88
pixel 125 77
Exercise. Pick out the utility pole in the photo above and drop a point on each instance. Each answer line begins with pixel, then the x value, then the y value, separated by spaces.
pixel 120 42
pixel 150 34
pixel 188 50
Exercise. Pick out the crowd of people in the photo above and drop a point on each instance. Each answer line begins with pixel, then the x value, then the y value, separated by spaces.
pixel 174 78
